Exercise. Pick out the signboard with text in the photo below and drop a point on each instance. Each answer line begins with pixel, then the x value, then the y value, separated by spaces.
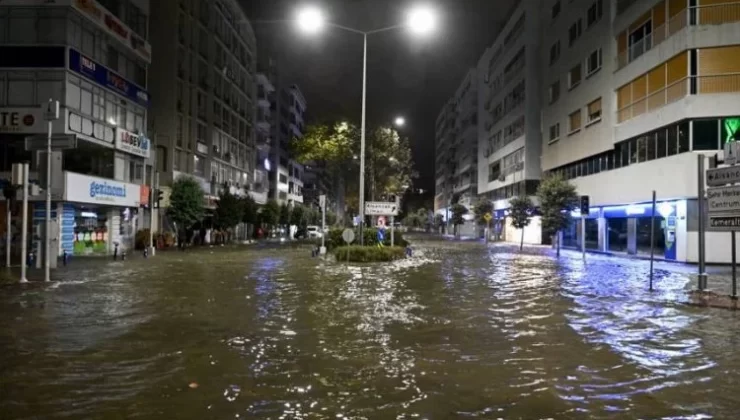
pixel 113 26
pixel 724 199
pixel 381 208
pixel 133 143
pixel 93 190
pixel 721 176
pixel 106 77
pixel 26 121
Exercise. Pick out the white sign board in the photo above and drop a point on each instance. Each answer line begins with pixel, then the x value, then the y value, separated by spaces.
pixel 723 176
pixel 22 120
pixel 730 152
pixel 724 199
pixel 107 192
pixel 381 208
pixel 348 235
pixel 133 143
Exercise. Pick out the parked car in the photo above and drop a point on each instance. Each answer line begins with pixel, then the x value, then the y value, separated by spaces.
pixel 314 232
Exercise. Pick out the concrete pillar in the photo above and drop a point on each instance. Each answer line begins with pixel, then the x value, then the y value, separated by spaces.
pixel 632 236
pixel 603 234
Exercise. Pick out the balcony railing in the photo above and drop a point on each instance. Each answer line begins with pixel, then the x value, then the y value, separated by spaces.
pixel 655 100
pixel 656 37
pixel 720 83
pixel 709 14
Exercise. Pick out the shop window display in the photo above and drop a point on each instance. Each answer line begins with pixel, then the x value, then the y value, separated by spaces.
pixel 91 233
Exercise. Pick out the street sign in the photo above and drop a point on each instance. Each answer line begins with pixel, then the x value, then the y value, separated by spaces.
pixel 731 152
pixel 723 176
pixel 585 205
pixel 724 223
pixel 487 217
pixel 322 201
pixel 381 208
pixel 58 142
pixel 51 112
pixel 724 199
pixel 348 235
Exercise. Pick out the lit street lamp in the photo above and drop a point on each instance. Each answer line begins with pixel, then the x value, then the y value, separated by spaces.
pixel 400 121
pixel 420 21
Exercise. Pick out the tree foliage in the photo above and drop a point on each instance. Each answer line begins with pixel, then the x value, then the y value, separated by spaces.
pixel 270 213
pixel 439 221
pixel 557 199
pixel 458 211
pixel 298 216
pixel 482 207
pixel 229 210
pixel 249 210
pixel 389 161
pixel 521 212
pixel 186 202
pixel 284 215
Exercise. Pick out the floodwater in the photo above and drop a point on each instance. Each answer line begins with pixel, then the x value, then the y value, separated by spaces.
pixel 459 331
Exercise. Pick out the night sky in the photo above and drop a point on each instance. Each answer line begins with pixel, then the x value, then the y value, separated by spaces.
pixel 407 75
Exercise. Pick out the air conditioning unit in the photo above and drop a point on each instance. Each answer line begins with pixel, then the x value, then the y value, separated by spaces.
pixel 502 178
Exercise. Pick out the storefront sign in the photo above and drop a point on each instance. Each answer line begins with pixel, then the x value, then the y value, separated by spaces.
pixel 21 120
pixel 144 191
pixel 133 143
pixel 112 25
pixel 106 78
pixel 88 189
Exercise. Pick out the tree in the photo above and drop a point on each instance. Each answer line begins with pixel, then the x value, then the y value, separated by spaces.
pixel 482 207
pixel 458 211
pixel 521 212
pixel 313 216
pixel 270 213
pixel 229 210
pixel 557 199
pixel 186 204
pixel 331 218
pixel 284 215
pixel 250 215
pixel 298 216
pixel 439 221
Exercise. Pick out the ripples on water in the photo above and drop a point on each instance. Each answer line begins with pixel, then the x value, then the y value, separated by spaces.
pixel 458 331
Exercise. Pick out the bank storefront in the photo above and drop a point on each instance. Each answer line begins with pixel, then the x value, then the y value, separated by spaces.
pixel 97 214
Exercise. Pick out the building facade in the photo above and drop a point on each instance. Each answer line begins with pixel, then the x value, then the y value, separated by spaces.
pixel 204 79
pixel 658 91
pixel 456 164
pixel 93 58
pixel 509 132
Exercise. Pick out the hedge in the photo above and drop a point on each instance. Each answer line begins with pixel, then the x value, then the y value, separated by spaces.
pixel 375 253
pixel 334 238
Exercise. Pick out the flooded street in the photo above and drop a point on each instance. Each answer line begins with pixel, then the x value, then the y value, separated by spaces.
pixel 459 331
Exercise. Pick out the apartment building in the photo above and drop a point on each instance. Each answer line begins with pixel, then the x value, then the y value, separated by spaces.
pixel 659 89
pixel 456 146
pixel 510 139
pixel 92 57
pixel 203 77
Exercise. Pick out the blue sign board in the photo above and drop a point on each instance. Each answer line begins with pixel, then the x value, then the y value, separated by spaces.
pixel 106 77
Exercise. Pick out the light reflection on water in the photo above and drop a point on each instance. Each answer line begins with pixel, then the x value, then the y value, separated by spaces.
pixel 458 331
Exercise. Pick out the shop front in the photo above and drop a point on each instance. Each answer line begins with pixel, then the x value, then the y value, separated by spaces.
pixel 627 229
pixel 98 215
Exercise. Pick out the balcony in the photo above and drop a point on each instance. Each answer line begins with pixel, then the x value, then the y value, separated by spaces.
pixel 704 85
pixel 704 15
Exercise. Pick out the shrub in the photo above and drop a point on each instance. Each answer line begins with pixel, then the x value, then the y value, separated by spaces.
pixel 141 239
pixel 334 238
pixel 357 253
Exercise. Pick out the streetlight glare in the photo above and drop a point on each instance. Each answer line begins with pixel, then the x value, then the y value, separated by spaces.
pixel 310 19
pixel 400 121
pixel 422 20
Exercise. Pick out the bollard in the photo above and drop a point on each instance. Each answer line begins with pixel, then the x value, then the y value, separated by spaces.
pixel 115 252
pixel 30 260
pixel 146 252
pixel 65 258
pixel 123 255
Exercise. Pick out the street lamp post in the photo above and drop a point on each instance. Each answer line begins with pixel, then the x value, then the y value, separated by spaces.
pixel 420 20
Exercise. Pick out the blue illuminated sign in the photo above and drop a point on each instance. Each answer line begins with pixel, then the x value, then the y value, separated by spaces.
pixel 98 189
pixel 106 78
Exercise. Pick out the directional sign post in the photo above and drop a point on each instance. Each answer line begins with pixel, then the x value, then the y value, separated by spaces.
pixel 723 201
pixel 381 208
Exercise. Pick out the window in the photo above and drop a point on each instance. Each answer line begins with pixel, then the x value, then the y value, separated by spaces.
pixel 112 58
pixel 593 64
pixel 199 165
pixel 555 9
pixel 554 132
pixel 706 134
pixel 554 52
pixel 574 76
pixel 594 111
pixel 554 92
pixel 640 40
pixel 575 31
pixel 575 121
pixel 594 13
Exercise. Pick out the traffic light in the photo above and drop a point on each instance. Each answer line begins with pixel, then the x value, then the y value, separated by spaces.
pixel 159 197
pixel 585 205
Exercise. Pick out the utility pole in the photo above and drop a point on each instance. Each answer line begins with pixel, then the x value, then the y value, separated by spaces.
pixel 51 115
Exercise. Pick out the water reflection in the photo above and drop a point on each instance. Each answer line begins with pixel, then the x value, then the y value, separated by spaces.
pixel 459 331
